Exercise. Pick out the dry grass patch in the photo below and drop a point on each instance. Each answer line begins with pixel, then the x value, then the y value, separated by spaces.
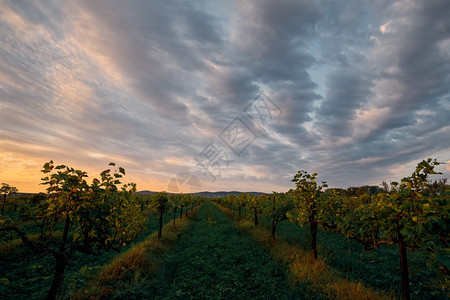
pixel 129 267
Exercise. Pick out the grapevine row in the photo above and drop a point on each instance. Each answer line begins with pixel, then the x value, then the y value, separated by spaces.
pixel 410 214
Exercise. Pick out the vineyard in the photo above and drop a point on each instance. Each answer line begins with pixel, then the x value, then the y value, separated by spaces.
pixel 102 239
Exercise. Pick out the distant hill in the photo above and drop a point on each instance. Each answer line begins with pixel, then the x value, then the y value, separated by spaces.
pixel 224 194
pixel 201 194
pixel 205 194
pixel 145 193
pixel 21 194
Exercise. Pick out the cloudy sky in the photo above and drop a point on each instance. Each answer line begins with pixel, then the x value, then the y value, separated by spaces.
pixel 237 94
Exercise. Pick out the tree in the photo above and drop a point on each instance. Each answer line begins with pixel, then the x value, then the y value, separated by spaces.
pixel 6 190
pixel 241 199
pixel 308 198
pixel 188 201
pixel 196 201
pixel 144 202
pixel 443 184
pixel 385 187
pixel 276 206
pixel 253 202
pixel 229 200
pixel 182 204
pixel 437 187
pixel 434 228
pixel 175 201
pixel 96 217
pixel 401 216
pixel 34 208
pixel 161 205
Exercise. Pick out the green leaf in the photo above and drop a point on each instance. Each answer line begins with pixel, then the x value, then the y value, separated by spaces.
pixel 443 260
pixel 122 170
pixel 111 164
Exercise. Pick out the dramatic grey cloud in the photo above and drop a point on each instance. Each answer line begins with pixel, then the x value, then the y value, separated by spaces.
pixel 359 90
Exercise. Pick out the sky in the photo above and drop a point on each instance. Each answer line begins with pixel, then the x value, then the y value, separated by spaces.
pixel 224 95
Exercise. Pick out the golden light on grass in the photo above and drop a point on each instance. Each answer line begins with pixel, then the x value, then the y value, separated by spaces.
pixel 128 268
pixel 318 277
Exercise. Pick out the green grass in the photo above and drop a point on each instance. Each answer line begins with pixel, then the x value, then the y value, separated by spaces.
pixel 135 265
pixel 25 275
pixel 214 260
pixel 316 274
pixel 379 268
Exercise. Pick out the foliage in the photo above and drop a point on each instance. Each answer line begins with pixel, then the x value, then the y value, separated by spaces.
pixel 75 218
pixel 404 210
pixel 315 276
pixel 161 205
pixel 101 216
pixel 126 271
pixel 105 217
pixel 241 200
pixel 307 199
pixel 5 191
pixel 403 216
pixel 277 206
pixel 230 200
pixel 254 203
pixel 313 205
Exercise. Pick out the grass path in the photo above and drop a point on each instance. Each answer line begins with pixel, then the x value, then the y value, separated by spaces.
pixel 214 260
pixel 128 270
pixel 315 275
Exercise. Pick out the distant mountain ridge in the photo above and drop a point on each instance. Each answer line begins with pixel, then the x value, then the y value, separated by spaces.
pixel 201 194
